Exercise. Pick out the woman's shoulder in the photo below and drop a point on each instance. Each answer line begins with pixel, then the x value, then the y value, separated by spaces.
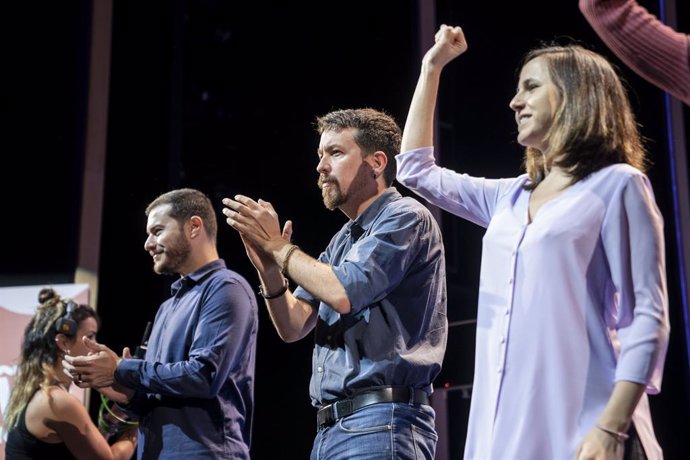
pixel 614 180
pixel 54 403
pixel 48 405
pixel 621 170
pixel 615 176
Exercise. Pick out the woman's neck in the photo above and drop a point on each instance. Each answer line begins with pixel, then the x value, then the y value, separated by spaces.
pixel 60 379
pixel 64 385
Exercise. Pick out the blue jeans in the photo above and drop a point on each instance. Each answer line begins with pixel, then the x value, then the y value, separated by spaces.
pixel 391 431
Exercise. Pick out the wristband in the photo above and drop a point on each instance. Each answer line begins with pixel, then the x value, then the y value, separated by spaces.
pixel 277 294
pixel 289 252
pixel 618 435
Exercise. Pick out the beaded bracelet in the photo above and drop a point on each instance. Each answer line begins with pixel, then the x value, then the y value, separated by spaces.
pixel 277 294
pixel 618 435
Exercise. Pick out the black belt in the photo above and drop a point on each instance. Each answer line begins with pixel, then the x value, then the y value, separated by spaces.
pixel 329 414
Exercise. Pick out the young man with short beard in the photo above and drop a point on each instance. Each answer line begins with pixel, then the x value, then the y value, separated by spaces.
pixel 194 389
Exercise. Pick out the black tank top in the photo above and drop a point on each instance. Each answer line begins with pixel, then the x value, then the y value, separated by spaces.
pixel 22 445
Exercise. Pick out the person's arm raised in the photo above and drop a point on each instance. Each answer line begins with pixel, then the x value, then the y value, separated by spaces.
pixel 419 125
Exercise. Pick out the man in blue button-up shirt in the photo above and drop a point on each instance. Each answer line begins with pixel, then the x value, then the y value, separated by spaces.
pixel 194 389
pixel 376 297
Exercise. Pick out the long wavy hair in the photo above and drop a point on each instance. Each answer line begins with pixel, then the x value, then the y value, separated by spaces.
pixel 39 352
pixel 594 125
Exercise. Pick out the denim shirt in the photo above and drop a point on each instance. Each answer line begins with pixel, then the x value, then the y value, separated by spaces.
pixel 195 386
pixel 391 262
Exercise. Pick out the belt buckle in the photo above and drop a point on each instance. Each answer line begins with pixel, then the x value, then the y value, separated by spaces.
pixel 324 416
pixel 341 409
pixel 328 415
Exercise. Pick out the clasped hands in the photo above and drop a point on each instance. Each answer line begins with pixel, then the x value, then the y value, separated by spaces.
pixel 259 227
pixel 96 369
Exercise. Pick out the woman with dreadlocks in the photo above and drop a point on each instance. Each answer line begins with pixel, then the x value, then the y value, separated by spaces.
pixel 43 420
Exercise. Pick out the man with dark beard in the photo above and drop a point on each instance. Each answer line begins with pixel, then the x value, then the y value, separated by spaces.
pixel 194 389
pixel 376 297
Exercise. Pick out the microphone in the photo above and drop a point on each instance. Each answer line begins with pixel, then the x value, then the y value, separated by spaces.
pixel 113 419
pixel 141 349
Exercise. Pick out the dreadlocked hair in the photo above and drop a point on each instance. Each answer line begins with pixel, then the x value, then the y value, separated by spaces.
pixel 39 353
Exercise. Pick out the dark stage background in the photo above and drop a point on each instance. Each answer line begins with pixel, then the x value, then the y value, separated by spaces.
pixel 221 96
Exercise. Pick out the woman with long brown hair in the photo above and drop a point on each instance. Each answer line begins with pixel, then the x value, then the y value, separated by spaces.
pixel 572 320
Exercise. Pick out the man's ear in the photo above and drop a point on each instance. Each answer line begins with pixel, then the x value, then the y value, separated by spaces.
pixel 196 226
pixel 379 162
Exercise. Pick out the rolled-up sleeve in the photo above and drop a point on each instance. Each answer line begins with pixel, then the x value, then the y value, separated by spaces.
pixel 378 262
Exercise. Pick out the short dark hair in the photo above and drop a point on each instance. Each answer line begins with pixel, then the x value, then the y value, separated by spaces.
pixel 376 130
pixel 185 203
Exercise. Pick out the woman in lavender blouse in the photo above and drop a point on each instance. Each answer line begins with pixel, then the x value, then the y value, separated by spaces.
pixel 572 322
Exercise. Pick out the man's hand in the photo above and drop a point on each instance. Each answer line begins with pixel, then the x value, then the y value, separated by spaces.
pixel 259 226
pixel 119 393
pixel 95 370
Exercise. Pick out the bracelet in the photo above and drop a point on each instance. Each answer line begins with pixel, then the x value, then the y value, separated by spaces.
pixel 618 435
pixel 277 294
pixel 289 252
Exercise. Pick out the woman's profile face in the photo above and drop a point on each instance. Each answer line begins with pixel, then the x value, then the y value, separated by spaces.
pixel 87 328
pixel 534 104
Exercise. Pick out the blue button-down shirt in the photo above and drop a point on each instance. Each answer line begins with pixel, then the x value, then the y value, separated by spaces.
pixel 195 386
pixel 391 262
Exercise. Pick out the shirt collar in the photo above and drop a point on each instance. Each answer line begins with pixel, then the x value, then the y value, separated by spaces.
pixel 364 220
pixel 186 282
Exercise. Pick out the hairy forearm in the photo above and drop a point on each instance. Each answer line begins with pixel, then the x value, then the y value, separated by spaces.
pixel 317 278
pixel 292 318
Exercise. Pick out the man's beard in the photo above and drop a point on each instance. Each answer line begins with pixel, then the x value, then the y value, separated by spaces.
pixel 175 256
pixel 333 196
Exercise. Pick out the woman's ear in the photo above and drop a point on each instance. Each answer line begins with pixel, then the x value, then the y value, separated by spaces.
pixel 63 342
